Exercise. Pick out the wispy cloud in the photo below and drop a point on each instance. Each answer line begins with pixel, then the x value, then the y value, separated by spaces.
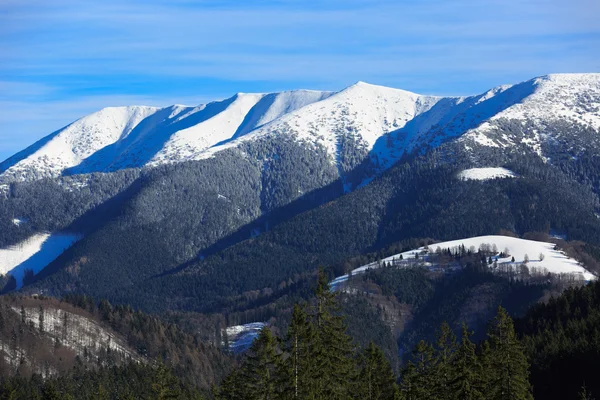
pixel 67 56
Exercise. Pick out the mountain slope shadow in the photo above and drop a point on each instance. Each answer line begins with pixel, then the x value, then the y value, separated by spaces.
pixel 450 118
pixel 89 223
pixel 148 138
pixel 265 222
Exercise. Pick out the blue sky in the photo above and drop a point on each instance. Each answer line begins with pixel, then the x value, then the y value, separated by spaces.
pixel 62 59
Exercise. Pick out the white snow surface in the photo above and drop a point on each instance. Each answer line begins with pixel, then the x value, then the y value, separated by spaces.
pixel 554 261
pixel 388 122
pixel 35 253
pixel 240 337
pixel 122 137
pixel 18 221
pixel 484 174
pixel 541 100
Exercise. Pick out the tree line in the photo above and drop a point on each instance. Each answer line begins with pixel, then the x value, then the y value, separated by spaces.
pixel 317 360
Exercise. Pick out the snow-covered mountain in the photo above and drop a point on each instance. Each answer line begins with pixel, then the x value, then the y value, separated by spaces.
pixel 121 137
pixel 386 122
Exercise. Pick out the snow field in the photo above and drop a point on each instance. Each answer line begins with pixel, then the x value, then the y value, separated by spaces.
pixel 34 253
pixel 554 261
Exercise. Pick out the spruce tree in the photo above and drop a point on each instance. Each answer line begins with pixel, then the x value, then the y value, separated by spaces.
pixel 164 385
pixel 376 379
pixel 259 370
pixel 445 347
pixel 333 352
pixel 486 371
pixel 232 388
pixel 466 370
pixel 296 372
pixel 509 366
pixel 417 377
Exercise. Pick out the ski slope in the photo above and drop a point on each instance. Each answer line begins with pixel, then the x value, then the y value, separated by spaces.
pixel 554 261
pixel 34 253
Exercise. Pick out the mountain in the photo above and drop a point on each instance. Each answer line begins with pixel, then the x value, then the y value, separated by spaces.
pixel 385 122
pixel 125 137
pixel 243 194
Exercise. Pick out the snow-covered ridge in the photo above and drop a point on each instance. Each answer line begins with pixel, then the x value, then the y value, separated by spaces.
pixel 573 98
pixel 387 121
pixel 553 261
pixel 484 174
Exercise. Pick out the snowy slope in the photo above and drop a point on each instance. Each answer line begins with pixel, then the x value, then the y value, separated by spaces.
pixel 121 137
pixel 34 253
pixel 243 115
pixel 76 142
pixel 367 112
pixel 84 334
pixel 64 334
pixel 386 122
pixel 545 101
pixel 554 261
pixel 240 337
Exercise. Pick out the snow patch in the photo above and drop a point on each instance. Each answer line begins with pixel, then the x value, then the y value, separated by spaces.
pixel 18 221
pixel 484 174
pixel 240 337
pixel 34 254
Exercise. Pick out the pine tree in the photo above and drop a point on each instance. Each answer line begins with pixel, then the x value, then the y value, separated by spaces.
pixel 376 379
pixel 333 351
pixel 259 370
pixel 296 372
pixel 509 370
pixel 232 388
pixel 417 377
pixel 466 370
pixel 445 347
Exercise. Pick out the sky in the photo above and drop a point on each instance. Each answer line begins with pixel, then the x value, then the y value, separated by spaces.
pixel 63 59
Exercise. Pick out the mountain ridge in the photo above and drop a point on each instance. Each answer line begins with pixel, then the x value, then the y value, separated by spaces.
pixel 387 122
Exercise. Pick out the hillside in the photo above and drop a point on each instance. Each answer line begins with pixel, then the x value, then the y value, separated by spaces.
pixel 50 338
pixel 540 258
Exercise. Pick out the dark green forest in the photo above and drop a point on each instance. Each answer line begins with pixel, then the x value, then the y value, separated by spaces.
pixel 416 199
pixel 317 360
pixel 172 255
